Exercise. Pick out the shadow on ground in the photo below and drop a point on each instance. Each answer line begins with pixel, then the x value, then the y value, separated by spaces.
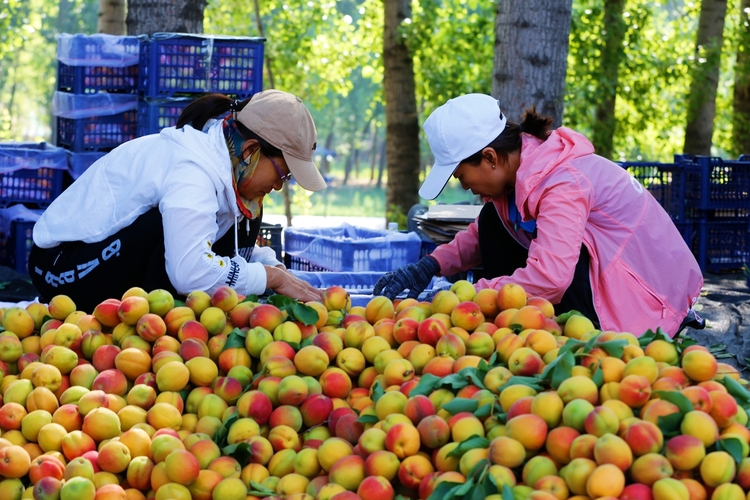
pixel 725 305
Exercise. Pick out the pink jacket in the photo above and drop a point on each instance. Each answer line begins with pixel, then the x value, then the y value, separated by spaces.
pixel 643 275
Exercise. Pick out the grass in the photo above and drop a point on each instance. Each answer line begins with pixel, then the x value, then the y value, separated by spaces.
pixel 359 198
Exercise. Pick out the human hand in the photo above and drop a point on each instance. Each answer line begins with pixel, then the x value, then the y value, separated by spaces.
pixel 285 283
pixel 415 277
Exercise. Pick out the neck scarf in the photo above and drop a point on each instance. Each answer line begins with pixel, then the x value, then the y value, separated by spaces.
pixel 242 169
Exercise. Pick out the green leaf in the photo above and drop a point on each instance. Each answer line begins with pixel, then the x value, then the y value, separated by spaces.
pixel 179 303
pixel 650 336
pixel 740 393
pixel 475 375
pixel 483 411
pixel 296 310
pixel 562 318
pixel 235 339
pixel 426 385
pixel 590 344
pixel 368 419
pixel 259 490
pixel 670 424
pixel 467 444
pixel 598 377
pixel 240 452
pixel 571 345
pixel 559 369
pixel 306 342
pixel 614 347
pixel 731 445
pixel 493 359
pixel 533 382
pixel 220 437
pixel 516 327
pixel 377 391
pixel 507 492
pixel 454 381
pixel 444 490
pixel 304 313
pixel 677 399
pixel 464 488
pixel 458 405
pixel 250 298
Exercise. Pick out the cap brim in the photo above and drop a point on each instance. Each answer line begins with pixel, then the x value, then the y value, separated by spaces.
pixel 436 180
pixel 305 173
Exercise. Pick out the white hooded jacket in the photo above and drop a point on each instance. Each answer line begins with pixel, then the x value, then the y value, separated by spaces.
pixel 187 174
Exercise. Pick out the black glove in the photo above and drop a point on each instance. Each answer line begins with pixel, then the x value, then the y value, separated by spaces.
pixel 415 277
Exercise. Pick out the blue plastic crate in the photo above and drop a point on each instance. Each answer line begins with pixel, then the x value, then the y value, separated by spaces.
pixel 348 248
pixel 156 114
pixel 96 133
pixel 78 163
pixel 93 63
pixel 714 183
pixel 92 79
pixel 177 63
pixel 360 285
pixel 31 173
pixel 722 246
pixel 16 231
pixel 666 182
pixel 19 245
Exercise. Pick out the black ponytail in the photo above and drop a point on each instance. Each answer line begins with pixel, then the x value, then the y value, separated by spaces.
pixel 509 140
pixel 198 112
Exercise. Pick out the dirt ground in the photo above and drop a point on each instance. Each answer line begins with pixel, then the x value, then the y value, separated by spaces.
pixel 725 305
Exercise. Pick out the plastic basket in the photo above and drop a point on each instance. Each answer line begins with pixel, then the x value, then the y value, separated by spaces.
pixel 16 231
pixel 713 183
pixel 360 285
pixel 92 79
pixel 722 246
pixel 270 236
pixel 97 133
pixel 31 173
pixel 178 63
pixel 665 181
pixel 78 163
pixel 156 114
pixel 350 249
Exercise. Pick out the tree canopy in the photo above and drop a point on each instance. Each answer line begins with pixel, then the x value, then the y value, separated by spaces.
pixel 330 54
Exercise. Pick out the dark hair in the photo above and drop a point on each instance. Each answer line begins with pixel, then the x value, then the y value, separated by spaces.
pixel 509 139
pixel 198 112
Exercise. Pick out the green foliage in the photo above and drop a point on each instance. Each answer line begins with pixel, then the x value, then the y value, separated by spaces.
pixel 28 61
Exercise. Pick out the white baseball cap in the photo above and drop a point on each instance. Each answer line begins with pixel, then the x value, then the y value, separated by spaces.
pixel 456 130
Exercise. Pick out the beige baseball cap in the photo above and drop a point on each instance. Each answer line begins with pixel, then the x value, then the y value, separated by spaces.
pixel 283 120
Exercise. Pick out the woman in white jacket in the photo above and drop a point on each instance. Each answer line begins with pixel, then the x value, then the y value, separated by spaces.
pixel 168 210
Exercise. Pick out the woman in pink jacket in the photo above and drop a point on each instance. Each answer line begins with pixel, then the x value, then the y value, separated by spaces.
pixel 560 221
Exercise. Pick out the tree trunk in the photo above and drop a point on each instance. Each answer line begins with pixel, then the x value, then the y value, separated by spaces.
pixel 741 115
pixel 268 57
pixel 146 17
pixel 402 125
pixel 111 16
pixel 382 156
pixel 373 150
pixel 705 69
pixel 613 33
pixel 531 50
pixel 328 146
